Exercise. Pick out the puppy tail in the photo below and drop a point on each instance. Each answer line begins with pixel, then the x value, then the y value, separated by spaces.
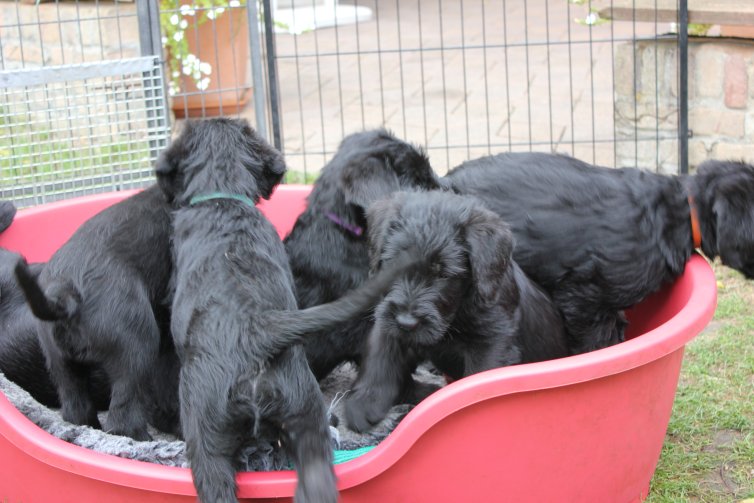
pixel 292 326
pixel 62 304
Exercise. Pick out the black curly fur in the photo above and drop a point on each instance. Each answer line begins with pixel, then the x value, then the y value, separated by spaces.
pixel 599 240
pixel 328 259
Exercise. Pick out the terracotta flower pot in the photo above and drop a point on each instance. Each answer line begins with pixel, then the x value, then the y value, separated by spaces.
pixel 224 44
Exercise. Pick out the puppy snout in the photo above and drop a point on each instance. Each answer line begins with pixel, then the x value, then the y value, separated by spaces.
pixel 406 321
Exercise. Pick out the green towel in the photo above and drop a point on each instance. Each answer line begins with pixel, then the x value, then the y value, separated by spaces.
pixel 343 456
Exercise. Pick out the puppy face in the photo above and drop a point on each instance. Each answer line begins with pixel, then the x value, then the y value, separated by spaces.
pixel 463 250
pixel 733 209
pixel 376 164
pixel 246 163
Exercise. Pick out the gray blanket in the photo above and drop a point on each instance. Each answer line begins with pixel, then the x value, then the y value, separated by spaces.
pixel 168 450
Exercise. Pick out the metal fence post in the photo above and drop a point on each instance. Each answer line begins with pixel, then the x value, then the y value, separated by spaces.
pixel 683 87
pixel 272 75
pixel 150 41
pixel 260 109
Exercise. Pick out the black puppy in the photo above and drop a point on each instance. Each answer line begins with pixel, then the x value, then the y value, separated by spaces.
pixel 21 357
pixel 7 212
pixel 244 376
pixel 465 305
pixel 101 302
pixel 327 246
pixel 599 240
pixel 23 362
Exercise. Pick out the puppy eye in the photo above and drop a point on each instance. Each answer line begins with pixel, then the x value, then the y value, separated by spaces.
pixel 437 269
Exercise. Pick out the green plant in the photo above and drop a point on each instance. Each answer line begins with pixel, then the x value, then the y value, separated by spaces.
pixel 708 454
pixel 177 16
pixel 593 16
pixel 35 155
pixel 304 177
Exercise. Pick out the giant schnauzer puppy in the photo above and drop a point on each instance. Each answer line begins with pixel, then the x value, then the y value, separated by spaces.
pixel 327 247
pixel 101 301
pixel 599 240
pixel 464 305
pixel 235 322
pixel 23 362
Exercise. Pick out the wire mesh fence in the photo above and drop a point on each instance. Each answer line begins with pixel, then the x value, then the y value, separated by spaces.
pixel 80 129
pixel 461 79
pixel 80 112
pixel 470 78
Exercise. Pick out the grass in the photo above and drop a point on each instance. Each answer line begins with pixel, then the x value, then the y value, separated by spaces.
pixel 37 156
pixel 34 156
pixel 708 455
pixel 300 177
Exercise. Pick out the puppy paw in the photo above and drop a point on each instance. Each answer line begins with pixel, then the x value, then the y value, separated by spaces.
pixel 140 434
pixel 417 391
pixel 79 416
pixel 363 414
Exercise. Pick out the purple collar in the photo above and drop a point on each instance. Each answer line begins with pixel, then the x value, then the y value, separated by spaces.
pixel 356 230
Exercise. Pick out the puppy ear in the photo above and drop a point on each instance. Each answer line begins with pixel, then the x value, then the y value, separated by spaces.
pixel 490 244
pixel 364 181
pixel 273 165
pixel 412 162
pixel 273 170
pixel 166 171
pixel 382 216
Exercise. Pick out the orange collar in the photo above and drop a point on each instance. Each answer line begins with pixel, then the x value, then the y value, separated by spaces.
pixel 696 232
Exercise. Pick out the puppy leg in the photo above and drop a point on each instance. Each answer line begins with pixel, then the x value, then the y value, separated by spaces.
pixel 308 437
pixel 77 406
pixel 323 354
pixel 381 378
pixel 589 328
pixel 328 349
pixel 415 391
pixel 211 439
pixel 127 415
pixel 71 381
pixel 131 358
pixel 302 412
pixel 162 391
pixel 497 348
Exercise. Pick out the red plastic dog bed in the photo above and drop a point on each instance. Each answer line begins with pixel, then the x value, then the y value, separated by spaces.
pixel 583 428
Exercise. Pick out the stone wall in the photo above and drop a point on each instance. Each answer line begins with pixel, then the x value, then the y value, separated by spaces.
pixel 721 99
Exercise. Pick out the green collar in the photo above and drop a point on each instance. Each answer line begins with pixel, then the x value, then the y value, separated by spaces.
pixel 221 195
